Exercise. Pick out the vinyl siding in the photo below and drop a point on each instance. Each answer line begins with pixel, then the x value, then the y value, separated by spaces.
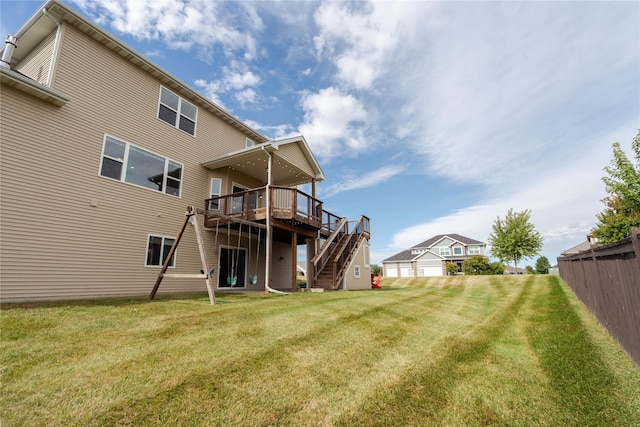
pixel 293 154
pixel 54 243
pixel 37 64
pixel 364 281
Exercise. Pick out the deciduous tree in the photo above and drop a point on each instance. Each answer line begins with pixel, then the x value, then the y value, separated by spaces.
pixel 623 201
pixel 451 268
pixel 515 238
pixel 542 265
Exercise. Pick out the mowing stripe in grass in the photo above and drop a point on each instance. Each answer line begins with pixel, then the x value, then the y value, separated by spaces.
pixel 376 326
pixel 585 389
pixel 423 392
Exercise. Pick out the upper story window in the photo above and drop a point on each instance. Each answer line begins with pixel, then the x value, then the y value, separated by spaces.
pixel 177 112
pixel 444 251
pixel 473 250
pixel 249 142
pixel 127 163
pixel 457 250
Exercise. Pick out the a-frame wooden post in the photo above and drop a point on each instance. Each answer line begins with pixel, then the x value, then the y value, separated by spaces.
pixel 190 216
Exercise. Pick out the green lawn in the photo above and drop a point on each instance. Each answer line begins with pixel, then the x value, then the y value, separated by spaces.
pixel 507 350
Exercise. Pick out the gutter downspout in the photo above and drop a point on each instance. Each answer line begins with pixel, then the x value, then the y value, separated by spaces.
pixel 54 54
pixel 267 264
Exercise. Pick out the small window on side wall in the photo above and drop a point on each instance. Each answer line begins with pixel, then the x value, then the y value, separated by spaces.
pixel 216 185
pixel 356 271
pixel 249 142
pixel 158 248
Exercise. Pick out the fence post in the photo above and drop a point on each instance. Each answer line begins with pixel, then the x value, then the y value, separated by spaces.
pixel 635 240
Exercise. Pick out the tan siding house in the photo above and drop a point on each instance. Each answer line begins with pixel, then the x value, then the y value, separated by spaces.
pixel 430 257
pixel 102 152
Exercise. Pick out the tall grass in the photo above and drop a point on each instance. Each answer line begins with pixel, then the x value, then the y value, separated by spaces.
pixel 440 351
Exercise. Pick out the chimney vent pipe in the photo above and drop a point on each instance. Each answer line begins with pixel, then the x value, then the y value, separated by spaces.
pixel 9 46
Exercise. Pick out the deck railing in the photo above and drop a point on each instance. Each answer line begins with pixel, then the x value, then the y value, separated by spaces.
pixel 286 203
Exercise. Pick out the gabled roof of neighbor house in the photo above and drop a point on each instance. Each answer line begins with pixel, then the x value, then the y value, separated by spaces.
pixel 584 246
pixel 435 239
pixel 406 255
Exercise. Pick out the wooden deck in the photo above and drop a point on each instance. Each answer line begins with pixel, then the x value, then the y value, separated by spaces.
pixel 291 209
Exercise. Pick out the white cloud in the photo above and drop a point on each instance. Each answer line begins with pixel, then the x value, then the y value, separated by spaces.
pixel 358 38
pixel 239 80
pixel 211 90
pixel 333 123
pixel 359 181
pixel 182 24
pixel 246 96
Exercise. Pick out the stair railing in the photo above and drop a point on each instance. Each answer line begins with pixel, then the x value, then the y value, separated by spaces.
pixel 347 250
pixel 324 255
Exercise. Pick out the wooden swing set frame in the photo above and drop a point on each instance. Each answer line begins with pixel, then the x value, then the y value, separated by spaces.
pixel 190 217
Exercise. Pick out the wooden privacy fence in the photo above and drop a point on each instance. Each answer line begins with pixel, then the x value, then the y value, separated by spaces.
pixel 607 280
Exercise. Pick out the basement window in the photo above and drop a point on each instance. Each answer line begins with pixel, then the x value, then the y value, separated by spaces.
pixel 177 112
pixel 158 248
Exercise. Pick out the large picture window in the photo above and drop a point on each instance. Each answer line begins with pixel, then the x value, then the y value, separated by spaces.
pixel 157 250
pixel 177 112
pixel 125 162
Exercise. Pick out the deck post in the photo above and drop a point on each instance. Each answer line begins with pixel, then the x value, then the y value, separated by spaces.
pixel 311 253
pixel 294 261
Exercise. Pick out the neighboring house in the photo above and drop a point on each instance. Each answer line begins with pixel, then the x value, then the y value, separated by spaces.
pixel 103 151
pixel 429 257
pixel 580 247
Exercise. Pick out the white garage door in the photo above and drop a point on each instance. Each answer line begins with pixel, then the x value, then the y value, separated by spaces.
pixel 391 272
pixel 433 271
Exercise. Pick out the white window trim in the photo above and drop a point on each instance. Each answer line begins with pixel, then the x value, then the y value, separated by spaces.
pixel 211 193
pixel 367 256
pixel 249 142
pixel 459 248
pixel 356 271
pixel 442 248
pixel 177 123
pixel 125 161
pixel 175 253
pixel 475 247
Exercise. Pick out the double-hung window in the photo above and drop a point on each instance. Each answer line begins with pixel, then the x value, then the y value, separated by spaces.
pixel 177 112
pixel 158 248
pixel 445 251
pixel 216 185
pixel 127 163
pixel 473 250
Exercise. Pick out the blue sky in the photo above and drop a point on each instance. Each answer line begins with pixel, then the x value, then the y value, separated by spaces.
pixel 428 117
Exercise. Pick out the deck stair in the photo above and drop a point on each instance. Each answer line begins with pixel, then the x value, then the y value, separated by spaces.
pixel 332 261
